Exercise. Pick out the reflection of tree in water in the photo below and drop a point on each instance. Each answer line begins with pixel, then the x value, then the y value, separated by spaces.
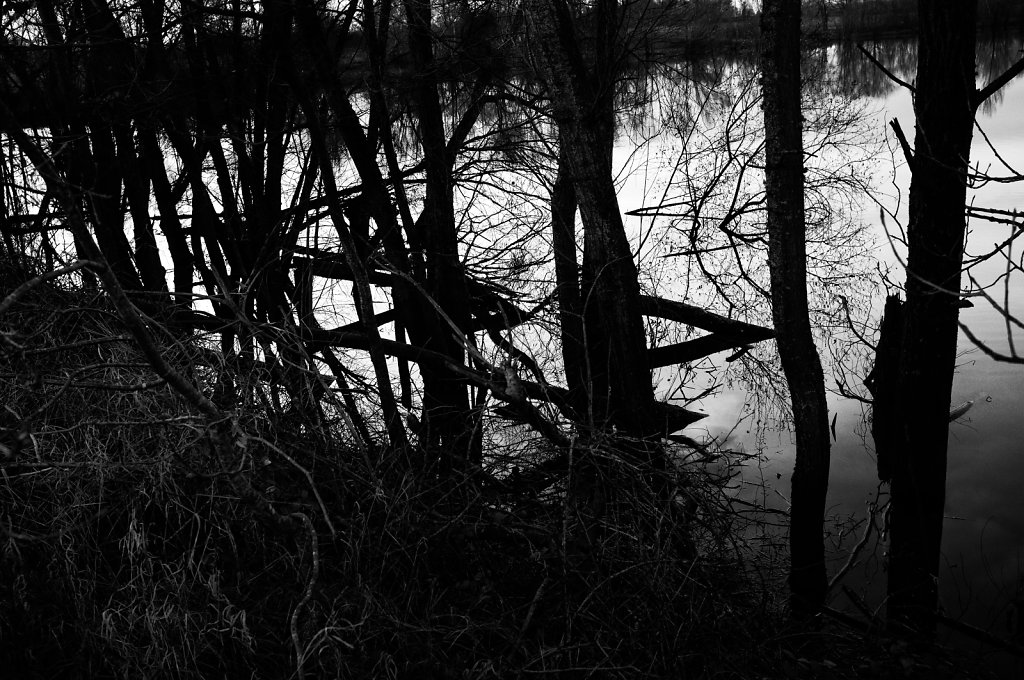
pixel 702 223
pixel 994 57
pixel 854 75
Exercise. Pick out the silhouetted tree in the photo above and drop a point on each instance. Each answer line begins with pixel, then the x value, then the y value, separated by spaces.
pixel 787 258
pixel 945 103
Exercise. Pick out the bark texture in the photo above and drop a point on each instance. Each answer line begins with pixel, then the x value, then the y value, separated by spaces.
pixel 787 252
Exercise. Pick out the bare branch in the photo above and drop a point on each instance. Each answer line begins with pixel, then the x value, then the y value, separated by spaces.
pixel 996 356
pixel 1009 74
pixel 699 317
pixel 881 67
pixel 908 153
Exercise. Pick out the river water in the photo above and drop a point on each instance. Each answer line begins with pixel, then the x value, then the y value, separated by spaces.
pixel 687 163
pixel 982 580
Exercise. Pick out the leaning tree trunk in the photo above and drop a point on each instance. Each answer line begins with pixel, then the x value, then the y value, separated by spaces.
pixel 944 105
pixel 787 253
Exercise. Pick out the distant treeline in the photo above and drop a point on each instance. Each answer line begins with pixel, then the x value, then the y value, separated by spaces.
pixel 881 18
pixel 723 23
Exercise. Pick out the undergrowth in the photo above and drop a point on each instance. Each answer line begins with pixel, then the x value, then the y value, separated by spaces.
pixel 126 550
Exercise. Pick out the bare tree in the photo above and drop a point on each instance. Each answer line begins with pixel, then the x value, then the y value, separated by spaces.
pixel 580 72
pixel 787 257
pixel 917 403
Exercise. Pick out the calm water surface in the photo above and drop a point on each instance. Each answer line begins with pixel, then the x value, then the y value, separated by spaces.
pixel 983 574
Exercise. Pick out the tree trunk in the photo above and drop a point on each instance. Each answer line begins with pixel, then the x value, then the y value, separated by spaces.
pixel 884 384
pixel 787 253
pixel 449 419
pixel 136 188
pixel 444 395
pixel 582 91
pixel 944 106
pixel 567 279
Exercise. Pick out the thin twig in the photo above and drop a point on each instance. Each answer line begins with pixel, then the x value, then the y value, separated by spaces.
pixel 983 636
pixel 855 553
pixel 533 607
pixel 307 595
pixel 988 350
pixel 12 298
pixel 849 323
pixel 309 478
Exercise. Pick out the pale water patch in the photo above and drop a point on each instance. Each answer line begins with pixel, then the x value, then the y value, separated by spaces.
pixel 984 530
